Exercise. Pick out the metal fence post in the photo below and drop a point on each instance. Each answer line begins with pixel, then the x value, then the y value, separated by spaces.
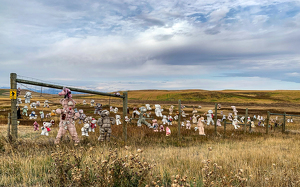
pixel 215 118
pixel 246 120
pixel 125 102
pixel 179 117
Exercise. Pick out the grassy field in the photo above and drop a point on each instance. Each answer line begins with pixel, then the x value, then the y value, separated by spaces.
pixel 151 158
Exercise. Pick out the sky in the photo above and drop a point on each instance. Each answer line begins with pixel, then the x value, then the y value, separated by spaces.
pixel 148 44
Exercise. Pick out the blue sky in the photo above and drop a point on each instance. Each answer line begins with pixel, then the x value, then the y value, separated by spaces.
pixel 130 45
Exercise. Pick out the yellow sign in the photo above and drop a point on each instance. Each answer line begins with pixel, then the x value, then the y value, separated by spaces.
pixel 13 94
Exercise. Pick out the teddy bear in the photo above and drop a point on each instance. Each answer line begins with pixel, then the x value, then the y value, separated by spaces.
pixel 118 120
pixel 32 115
pixel 142 118
pixel 209 118
pixel 104 124
pixel 82 116
pixel 235 123
pixel 92 102
pixel 183 114
pixel 84 102
pixel 127 119
pixel 182 124
pixel 219 122
pixel 19 101
pixel 18 91
pixel 188 124
pixel 25 109
pixel 135 112
pixel 171 110
pixel 194 118
pixel 46 127
pixel 85 129
pixel 148 107
pixel 67 116
pixel 161 128
pixel 46 103
pixel 164 120
pixel 234 110
pixel 37 103
pixel 194 111
pixel 93 125
pixel 98 108
pixel 219 106
pixel 200 126
pixel 53 113
pixel 158 110
pixel 36 126
pixel 155 125
pixel 27 97
pixel 168 131
pixel 42 114
pixel 33 105
pixel 242 119
pixel 229 117
pixel 170 119
pixel 48 115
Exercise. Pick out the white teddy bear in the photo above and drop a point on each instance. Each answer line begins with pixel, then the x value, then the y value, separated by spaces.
pixel 158 110
pixel 33 105
pixel 85 129
pixel 27 97
pixel 209 116
pixel 148 107
pixel 164 120
pixel 46 128
pixel 118 120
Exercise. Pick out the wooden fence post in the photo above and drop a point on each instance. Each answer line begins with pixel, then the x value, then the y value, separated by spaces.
pixel 14 118
pixel 125 102
pixel 179 117
pixel 283 124
pixel 216 118
pixel 8 126
pixel 267 126
pixel 246 120
pixel 225 128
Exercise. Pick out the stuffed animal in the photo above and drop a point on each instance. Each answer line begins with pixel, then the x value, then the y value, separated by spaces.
pixel 183 114
pixel 67 116
pixel 18 91
pixel 168 131
pixel 252 124
pixel 46 103
pixel 135 112
pixel 82 116
pixel 209 118
pixel 148 114
pixel 234 110
pixel 219 106
pixel 98 108
pixel 105 125
pixel 161 128
pixel 36 126
pixel 194 118
pixel 164 120
pixel 85 129
pixel 27 97
pixel 158 110
pixel 188 124
pixel 112 109
pixel 117 94
pixel 32 115
pixel 93 125
pixel 200 126
pixel 229 117
pixel 176 117
pixel 254 117
pixel 92 102
pixel 219 122
pixel 182 124
pixel 199 107
pixel 53 113
pixel 148 107
pixel 19 101
pixel 171 110
pixel 235 123
pixel 48 115
pixel 116 110
pixel 42 114
pixel 118 120
pixel 46 127
pixel 142 118
pixel 155 125
pixel 25 109
pixel 84 102
pixel 223 118
pixel 127 119
pixel 221 113
pixel 170 119
pixel 242 119
pixel 33 105
pixel 37 103
pixel 194 111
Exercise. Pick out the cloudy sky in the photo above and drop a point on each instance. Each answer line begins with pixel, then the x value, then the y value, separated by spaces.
pixel 148 44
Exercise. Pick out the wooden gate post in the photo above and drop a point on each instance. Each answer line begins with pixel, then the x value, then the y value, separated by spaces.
pixel 267 126
pixel 215 118
pixel 125 102
pixel 179 117
pixel 246 120
pixel 14 118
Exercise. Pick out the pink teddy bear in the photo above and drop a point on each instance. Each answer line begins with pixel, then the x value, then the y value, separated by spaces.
pixel 36 126
pixel 67 116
